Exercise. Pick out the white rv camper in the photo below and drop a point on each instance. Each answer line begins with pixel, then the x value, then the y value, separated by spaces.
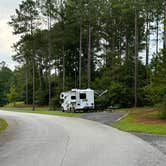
pixel 78 99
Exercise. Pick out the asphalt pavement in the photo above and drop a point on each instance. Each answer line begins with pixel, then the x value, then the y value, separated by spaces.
pixel 157 141
pixel 40 140
pixel 109 118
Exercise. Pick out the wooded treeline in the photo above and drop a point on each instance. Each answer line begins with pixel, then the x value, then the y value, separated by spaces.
pixel 94 44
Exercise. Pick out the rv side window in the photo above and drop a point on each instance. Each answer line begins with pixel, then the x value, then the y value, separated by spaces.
pixel 73 97
pixel 82 95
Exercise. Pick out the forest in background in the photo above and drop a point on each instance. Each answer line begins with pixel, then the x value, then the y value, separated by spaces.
pixel 96 44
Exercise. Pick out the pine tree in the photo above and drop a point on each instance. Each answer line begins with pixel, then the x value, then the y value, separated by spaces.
pixel 24 22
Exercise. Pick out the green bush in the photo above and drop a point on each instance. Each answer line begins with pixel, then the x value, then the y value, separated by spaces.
pixel 155 94
pixel 102 102
pixel 12 95
pixel 163 109
pixel 117 96
pixel 42 97
pixel 55 103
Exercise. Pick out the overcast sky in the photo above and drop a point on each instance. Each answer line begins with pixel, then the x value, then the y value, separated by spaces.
pixel 7 8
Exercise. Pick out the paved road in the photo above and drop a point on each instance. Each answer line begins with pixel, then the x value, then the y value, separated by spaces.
pixel 110 118
pixel 40 140
pixel 156 140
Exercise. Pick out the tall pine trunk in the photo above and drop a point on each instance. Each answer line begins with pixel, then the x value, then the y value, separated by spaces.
pixel 63 45
pixel 26 73
pixel 33 69
pixel 33 78
pixel 127 45
pixel 89 55
pixel 49 61
pixel 147 46
pixel 64 69
pixel 136 58
pixel 164 25
pixel 157 35
pixel 80 56
pixel 147 40
pixel 40 76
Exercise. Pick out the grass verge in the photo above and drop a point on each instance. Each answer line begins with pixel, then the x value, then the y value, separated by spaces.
pixel 3 125
pixel 144 120
pixel 20 107
pixel 42 111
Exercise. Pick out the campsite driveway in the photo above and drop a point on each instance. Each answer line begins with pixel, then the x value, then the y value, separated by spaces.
pixel 108 118
pixel 40 140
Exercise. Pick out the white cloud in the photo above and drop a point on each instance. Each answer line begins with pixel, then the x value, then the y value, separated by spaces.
pixel 7 8
pixel 6 36
pixel 6 41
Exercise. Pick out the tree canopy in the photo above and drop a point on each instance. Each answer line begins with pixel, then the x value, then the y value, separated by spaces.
pixel 68 44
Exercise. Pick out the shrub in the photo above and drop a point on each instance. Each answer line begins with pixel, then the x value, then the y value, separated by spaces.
pixel 12 95
pixel 155 94
pixel 117 96
pixel 163 109
pixel 42 97
pixel 55 103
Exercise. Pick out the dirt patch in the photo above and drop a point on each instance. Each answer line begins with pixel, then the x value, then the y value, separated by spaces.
pixel 150 120
pixel 149 117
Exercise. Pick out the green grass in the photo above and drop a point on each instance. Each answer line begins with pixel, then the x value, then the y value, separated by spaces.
pixel 131 124
pixel 43 111
pixel 3 125
pixel 21 107
pixel 19 104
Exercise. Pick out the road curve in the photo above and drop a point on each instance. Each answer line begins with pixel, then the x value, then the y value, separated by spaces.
pixel 41 140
